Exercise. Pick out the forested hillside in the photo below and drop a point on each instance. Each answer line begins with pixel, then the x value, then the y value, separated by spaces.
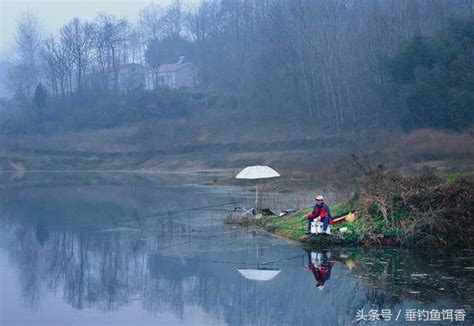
pixel 337 76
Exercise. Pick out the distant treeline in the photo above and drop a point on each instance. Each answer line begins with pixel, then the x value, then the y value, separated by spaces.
pixel 333 65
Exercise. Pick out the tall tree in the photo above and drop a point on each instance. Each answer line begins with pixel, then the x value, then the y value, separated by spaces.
pixel 110 33
pixel 25 73
pixel 77 37
pixel 151 27
pixel 172 21
pixel 150 21
pixel 57 65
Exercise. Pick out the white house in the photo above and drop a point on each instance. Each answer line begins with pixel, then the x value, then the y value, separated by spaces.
pixel 172 75
pixel 132 76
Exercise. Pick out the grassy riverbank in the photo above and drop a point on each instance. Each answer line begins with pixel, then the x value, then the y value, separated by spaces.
pixel 423 210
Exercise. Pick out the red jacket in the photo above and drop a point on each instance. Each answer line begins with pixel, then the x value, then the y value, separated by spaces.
pixel 320 210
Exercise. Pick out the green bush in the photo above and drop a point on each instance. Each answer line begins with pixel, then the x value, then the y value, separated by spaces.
pixel 432 78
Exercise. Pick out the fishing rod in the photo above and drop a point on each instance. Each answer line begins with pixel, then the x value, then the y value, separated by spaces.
pixel 282 259
pixel 176 211
pixel 139 219
pixel 227 262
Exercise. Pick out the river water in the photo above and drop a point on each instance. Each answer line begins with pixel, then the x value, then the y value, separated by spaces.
pixel 152 249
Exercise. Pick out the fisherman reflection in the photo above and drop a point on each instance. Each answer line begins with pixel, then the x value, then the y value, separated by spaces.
pixel 320 265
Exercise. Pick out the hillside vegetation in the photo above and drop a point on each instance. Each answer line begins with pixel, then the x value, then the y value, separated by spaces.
pixel 297 66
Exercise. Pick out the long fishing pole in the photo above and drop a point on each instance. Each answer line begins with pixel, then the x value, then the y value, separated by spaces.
pixel 113 220
pixel 176 211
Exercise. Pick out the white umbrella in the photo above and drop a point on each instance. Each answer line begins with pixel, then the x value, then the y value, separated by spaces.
pixel 257 172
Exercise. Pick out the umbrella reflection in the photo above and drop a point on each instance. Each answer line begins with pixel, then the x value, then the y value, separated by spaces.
pixel 259 273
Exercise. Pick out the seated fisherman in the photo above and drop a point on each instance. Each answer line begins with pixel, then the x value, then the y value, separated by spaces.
pixel 320 213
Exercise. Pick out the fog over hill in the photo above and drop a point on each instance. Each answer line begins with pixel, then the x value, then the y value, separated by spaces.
pixel 238 78
pixel 5 92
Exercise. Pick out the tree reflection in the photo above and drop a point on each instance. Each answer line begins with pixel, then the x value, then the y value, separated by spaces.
pixel 25 251
pixel 107 270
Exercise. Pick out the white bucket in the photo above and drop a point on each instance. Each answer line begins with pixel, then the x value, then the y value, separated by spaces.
pixel 314 228
pixel 317 227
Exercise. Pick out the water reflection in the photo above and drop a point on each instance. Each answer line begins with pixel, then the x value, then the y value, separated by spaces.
pixel 320 265
pixel 61 246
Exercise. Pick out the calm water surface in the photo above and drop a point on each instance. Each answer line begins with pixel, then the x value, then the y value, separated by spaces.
pixel 118 248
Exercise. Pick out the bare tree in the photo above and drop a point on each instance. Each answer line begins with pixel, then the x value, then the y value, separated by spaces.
pixel 50 64
pixel 77 37
pixel 57 65
pixel 150 28
pixel 136 43
pixel 110 33
pixel 26 73
pixel 150 21
pixel 172 21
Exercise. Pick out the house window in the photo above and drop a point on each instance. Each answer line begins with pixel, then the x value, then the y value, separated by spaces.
pixel 161 80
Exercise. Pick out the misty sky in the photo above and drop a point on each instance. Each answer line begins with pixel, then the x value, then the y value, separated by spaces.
pixel 54 14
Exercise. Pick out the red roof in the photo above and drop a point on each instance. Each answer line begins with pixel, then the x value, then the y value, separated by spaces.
pixel 172 67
